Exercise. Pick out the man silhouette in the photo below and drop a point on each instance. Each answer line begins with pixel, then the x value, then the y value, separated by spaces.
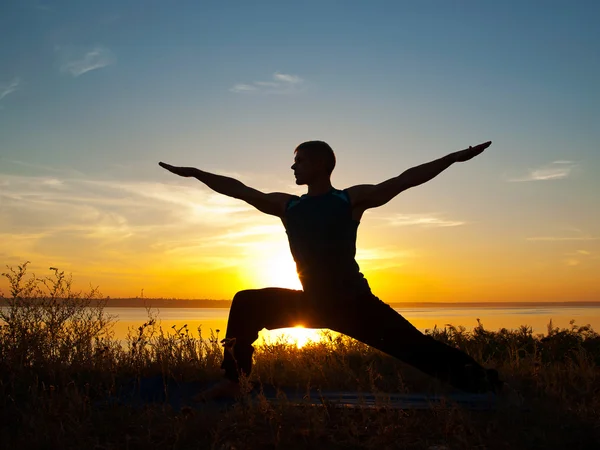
pixel 321 226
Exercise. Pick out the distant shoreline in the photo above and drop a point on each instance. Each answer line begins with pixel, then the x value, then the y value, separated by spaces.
pixel 205 303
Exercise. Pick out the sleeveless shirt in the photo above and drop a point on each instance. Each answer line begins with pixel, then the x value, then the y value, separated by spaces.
pixel 322 238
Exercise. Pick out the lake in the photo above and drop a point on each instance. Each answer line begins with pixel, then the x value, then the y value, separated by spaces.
pixel 493 318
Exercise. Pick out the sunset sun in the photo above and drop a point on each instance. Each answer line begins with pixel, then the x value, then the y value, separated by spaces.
pixel 297 335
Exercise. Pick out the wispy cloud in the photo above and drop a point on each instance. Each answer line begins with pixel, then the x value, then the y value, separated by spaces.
pixel 243 88
pixel 272 84
pixel 250 231
pixel 92 59
pixel 556 170
pixel 562 238
pixel 9 88
pixel 566 234
pixel 579 257
pixel 122 232
pixel 427 220
pixel 56 215
pixel 380 258
pixel 287 78
pixel 45 168
pixel 281 83
pixel 375 253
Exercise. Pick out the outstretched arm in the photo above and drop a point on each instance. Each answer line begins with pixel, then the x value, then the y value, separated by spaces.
pixel 273 203
pixel 366 196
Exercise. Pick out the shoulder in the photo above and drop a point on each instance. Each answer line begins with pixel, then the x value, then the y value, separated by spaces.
pixel 359 194
pixel 293 201
pixel 342 194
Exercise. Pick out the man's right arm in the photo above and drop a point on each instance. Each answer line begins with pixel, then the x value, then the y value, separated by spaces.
pixel 272 204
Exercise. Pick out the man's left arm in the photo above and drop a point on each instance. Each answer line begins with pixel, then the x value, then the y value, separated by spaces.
pixel 367 196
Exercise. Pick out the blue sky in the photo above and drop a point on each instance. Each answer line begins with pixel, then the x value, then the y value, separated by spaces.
pixel 93 95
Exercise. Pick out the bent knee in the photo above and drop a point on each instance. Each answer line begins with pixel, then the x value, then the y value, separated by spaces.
pixel 243 298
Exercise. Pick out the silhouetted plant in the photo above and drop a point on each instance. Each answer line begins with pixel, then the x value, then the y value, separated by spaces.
pixel 48 327
pixel 58 353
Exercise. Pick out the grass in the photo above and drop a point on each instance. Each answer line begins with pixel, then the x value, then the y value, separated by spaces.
pixel 58 355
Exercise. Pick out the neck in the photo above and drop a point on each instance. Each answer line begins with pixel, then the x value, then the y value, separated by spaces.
pixel 319 187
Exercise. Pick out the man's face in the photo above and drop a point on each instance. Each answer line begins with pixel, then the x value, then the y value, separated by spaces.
pixel 306 168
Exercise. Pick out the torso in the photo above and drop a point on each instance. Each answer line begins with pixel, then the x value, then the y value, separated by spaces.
pixel 322 236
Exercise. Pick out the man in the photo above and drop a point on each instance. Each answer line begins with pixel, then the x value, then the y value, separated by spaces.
pixel 321 226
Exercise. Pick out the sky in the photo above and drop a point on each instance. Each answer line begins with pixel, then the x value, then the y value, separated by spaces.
pixel 94 94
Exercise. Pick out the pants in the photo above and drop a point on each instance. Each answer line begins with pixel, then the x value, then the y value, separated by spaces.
pixel 365 318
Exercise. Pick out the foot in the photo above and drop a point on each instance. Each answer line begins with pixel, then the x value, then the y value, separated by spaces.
pixel 507 395
pixel 224 389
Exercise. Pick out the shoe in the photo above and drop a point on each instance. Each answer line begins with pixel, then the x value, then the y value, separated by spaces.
pixel 224 389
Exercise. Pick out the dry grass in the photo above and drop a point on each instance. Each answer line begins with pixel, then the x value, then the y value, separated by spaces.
pixel 58 355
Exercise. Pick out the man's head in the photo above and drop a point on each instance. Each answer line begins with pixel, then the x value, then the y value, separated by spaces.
pixel 313 160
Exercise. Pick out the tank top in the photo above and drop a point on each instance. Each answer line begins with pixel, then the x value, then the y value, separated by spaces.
pixel 322 237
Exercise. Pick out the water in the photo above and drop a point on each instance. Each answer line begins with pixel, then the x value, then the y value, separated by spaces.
pixel 493 318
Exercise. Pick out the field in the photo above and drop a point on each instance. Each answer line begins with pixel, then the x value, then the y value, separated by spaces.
pixel 58 357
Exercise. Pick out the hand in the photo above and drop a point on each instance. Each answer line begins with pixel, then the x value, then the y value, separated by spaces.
pixel 471 152
pixel 181 171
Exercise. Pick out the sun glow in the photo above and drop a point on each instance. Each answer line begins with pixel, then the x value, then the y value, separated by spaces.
pixel 297 335
pixel 276 269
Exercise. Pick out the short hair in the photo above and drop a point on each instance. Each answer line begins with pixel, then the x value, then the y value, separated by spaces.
pixel 320 149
